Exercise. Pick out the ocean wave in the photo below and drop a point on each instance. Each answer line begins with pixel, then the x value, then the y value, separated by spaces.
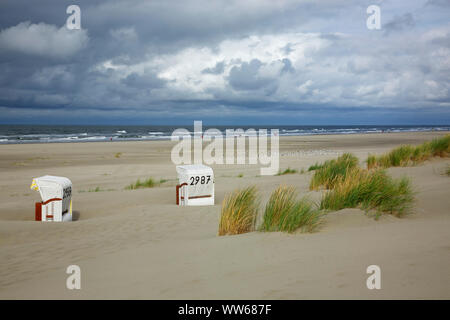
pixel 94 138
pixel 157 137
pixel 12 136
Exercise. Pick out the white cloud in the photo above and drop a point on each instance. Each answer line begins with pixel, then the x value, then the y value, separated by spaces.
pixel 184 69
pixel 43 40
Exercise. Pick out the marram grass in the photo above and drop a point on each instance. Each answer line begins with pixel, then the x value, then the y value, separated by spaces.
pixel 408 155
pixel 315 166
pixel 287 171
pixel 148 183
pixel 239 212
pixel 370 190
pixel 330 171
pixel 284 212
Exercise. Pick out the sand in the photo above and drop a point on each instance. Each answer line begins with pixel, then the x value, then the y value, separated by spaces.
pixel 137 244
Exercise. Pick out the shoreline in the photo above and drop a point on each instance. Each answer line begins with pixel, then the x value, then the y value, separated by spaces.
pixel 168 138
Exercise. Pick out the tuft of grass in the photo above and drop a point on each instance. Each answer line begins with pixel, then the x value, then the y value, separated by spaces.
pixel 239 212
pixel 96 189
pixel 284 212
pixel 315 167
pixel 287 171
pixel 117 155
pixel 440 146
pixel 401 156
pixel 407 155
pixel 331 170
pixel 371 161
pixel 240 175
pixel 370 190
pixel 148 183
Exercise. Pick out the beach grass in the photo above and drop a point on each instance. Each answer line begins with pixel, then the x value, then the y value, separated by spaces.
pixel 283 212
pixel 440 146
pixel 147 183
pixel 370 190
pixel 371 161
pixel 286 171
pixel 330 171
pixel 408 155
pixel 117 155
pixel 96 189
pixel 315 166
pixel 239 212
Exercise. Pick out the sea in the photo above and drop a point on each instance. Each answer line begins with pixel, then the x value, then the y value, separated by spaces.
pixel 17 134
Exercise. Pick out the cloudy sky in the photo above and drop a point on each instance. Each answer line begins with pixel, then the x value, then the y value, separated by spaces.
pixel 225 62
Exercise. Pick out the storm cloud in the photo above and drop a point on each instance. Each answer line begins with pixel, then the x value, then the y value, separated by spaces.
pixel 265 60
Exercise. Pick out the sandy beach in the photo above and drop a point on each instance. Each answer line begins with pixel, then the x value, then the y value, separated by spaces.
pixel 137 244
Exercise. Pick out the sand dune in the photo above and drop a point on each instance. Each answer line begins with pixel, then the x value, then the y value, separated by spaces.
pixel 139 244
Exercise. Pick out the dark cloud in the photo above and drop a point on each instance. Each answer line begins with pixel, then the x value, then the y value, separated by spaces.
pixel 246 77
pixel 287 66
pixel 399 23
pixel 145 81
pixel 439 3
pixel 217 69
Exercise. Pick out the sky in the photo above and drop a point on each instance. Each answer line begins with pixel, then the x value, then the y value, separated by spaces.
pixel 270 62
